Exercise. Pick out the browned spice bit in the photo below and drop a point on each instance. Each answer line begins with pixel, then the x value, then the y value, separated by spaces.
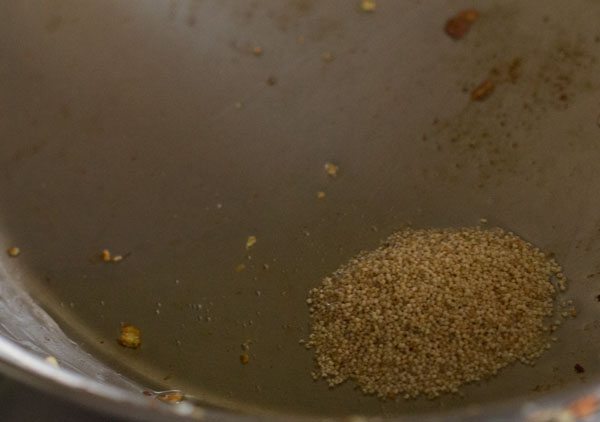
pixel 320 195
pixel 458 26
pixel 171 397
pixel 598 298
pixel 240 268
pixel 271 80
pixel 331 169
pixel 13 252
pixel 130 336
pixel 246 345
pixel 483 90
pixel 147 393
pixel 327 56
pixel 105 255
pixel 251 241
pixel 579 369
pixel 244 358
pixel 257 51
pixel 368 6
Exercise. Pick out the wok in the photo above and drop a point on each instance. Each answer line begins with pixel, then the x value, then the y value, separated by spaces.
pixel 158 130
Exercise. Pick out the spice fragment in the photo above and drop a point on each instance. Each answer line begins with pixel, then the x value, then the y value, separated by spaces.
pixel 171 397
pixel 52 361
pixel 130 336
pixel 244 359
pixel 368 6
pixel 13 251
pixel 250 242
pixel 460 24
pixel 579 369
pixel 327 56
pixel 105 255
pixel 320 195
pixel 483 90
pixel 331 169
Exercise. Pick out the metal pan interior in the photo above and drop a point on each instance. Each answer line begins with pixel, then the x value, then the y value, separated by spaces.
pixel 153 129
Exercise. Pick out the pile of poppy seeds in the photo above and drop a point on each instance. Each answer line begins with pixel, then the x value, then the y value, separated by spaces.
pixel 431 310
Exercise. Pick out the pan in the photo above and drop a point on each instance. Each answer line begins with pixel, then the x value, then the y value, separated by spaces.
pixel 163 166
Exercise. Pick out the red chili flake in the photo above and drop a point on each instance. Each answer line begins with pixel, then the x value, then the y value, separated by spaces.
pixel 458 25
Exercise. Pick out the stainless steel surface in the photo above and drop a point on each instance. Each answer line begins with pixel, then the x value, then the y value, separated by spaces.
pixel 21 403
pixel 149 128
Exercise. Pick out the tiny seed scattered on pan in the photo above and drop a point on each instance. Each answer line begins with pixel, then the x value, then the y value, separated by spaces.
pixel 250 242
pixel 483 90
pixel 244 358
pixel 579 369
pixel 130 336
pixel 117 258
pixel 320 195
pixel 239 268
pixel 368 6
pixel 331 169
pixel 13 251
